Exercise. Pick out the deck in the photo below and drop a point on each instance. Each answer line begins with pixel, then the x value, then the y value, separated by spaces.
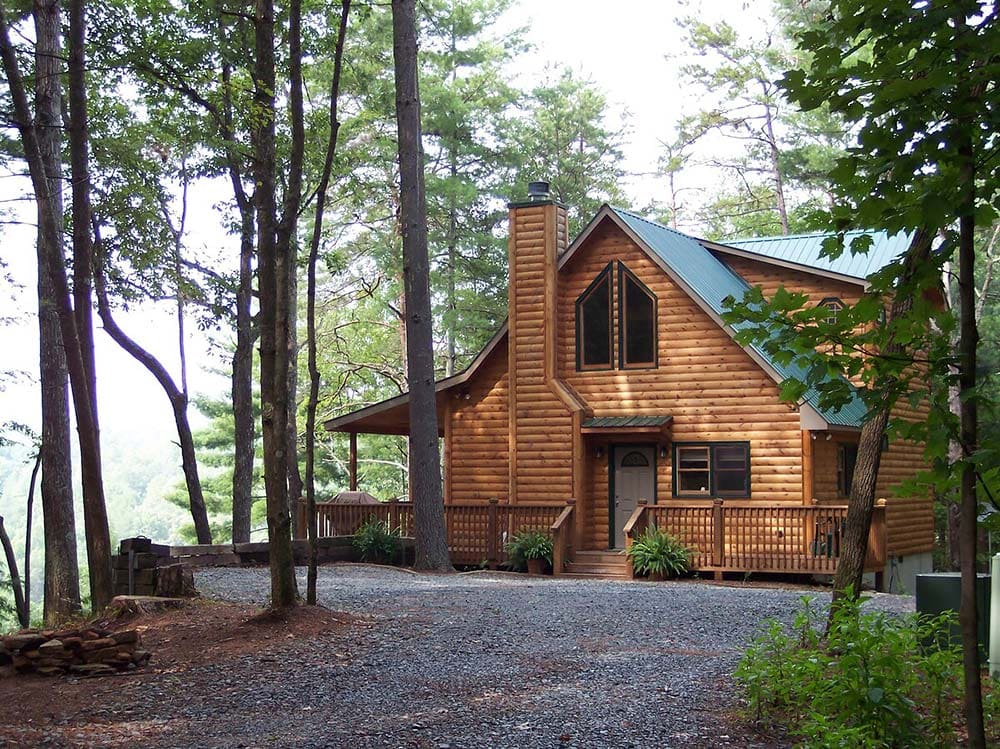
pixel 723 537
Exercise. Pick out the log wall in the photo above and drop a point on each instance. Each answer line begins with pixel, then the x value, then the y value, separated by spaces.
pixel 479 435
pixel 709 385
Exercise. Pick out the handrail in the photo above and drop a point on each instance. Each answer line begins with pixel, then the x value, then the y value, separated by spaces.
pixel 562 537
pixel 634 526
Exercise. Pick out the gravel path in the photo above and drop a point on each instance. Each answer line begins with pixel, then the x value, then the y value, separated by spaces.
pixel 493 660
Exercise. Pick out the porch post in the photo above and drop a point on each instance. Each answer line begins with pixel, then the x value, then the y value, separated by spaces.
pixel 353 462
pixel 719 536
pixel 491 533
pixel 808 468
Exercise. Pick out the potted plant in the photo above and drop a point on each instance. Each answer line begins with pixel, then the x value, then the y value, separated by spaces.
pixel 530 549
pixel 659 555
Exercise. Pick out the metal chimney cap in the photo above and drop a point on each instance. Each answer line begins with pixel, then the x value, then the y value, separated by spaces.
pixel 538 191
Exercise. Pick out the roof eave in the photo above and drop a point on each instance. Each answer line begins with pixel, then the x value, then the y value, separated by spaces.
pixel 339 423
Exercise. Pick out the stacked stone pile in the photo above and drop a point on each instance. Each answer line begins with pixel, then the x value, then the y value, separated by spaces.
pixel 87 651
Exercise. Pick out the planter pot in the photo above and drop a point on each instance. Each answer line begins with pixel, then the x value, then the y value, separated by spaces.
pixel 536 566
pixel 657 577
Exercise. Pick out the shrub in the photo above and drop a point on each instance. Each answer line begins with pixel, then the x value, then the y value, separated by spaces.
pixel 376 542
pixel 876 681
pixel 529 545
pixel 656 552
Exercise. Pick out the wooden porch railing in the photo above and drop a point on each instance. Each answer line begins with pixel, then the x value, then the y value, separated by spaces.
pixel 760 538
pixel 562 538
pixel 476 532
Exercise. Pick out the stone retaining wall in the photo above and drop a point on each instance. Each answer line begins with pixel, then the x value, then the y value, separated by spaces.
pixel 87 651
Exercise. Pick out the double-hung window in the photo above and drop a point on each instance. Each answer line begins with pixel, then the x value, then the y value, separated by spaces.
pixel 712 469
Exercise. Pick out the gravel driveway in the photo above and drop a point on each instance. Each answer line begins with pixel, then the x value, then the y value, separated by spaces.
pixel 498 660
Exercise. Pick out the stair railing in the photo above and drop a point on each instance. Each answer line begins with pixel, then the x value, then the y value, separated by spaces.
pixel 562 537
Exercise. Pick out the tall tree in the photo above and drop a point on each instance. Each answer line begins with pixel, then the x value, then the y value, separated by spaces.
pixel 95 511
pixel 565 138
pixel 425 460
pixel 919 83
pixel 314 245
pixel 273 247
pixel 61 582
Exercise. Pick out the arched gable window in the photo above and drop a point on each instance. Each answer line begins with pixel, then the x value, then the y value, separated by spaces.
pixel 593 324
pixel 834 305
pixel 636 322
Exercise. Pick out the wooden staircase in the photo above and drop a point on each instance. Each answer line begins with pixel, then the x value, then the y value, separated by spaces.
pixel 609 565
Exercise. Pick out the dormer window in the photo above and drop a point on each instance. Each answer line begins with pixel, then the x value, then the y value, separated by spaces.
pixel 834 305
pixel 593 324
pixel 636 321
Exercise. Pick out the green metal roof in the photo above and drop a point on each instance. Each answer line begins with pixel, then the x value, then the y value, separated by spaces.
pixel 617 422
pixel 712 280
pixel 806 249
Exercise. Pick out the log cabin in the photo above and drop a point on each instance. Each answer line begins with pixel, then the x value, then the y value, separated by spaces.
pixel 615 397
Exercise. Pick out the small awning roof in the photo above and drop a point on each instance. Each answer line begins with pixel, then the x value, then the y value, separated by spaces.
pixel 625 424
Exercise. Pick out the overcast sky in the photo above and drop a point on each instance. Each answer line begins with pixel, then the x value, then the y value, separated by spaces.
pixel 621 46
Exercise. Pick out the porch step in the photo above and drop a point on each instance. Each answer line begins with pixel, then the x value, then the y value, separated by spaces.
pixel 598 564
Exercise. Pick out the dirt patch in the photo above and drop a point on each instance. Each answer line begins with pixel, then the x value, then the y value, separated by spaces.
pixel 67 711
pixel 211 631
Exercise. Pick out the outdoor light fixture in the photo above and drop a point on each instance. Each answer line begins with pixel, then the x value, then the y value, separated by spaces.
pixel 599 452
pixel 663 451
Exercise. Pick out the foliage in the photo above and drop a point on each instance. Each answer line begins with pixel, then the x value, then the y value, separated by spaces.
pixel 656 552
pixel 877 680
pixel 529 544
pixel 8 612
pixel 771 159
pixel 376 542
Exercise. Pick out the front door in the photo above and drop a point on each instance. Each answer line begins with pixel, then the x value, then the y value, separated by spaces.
pixel 635 472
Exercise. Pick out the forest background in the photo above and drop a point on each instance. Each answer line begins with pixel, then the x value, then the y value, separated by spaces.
pixel 671 111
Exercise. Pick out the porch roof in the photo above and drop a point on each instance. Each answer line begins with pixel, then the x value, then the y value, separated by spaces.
pixel 625 424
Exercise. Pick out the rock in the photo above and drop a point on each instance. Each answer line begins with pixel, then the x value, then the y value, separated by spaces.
pixel 98 644
pixel 5 656
pixel 72 643
pixel 23 641
pixel 99 656
pixel 51 670
pixel 64 634
pixel 126 637
pixel 51 647
pixel 91 669
pixel 91 634
pixel 141 657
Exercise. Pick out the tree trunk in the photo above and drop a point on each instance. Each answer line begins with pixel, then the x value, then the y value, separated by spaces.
pixel 15 578
pixel 273 288
pixel 76 325
pixel 969 438
pixel 854 546
pixel 292 428
pixel 324 183
pixel 779 184
pixel 242 387
pixel 425 460
pixel 178 404
pixel 29 514
pixel 61 575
